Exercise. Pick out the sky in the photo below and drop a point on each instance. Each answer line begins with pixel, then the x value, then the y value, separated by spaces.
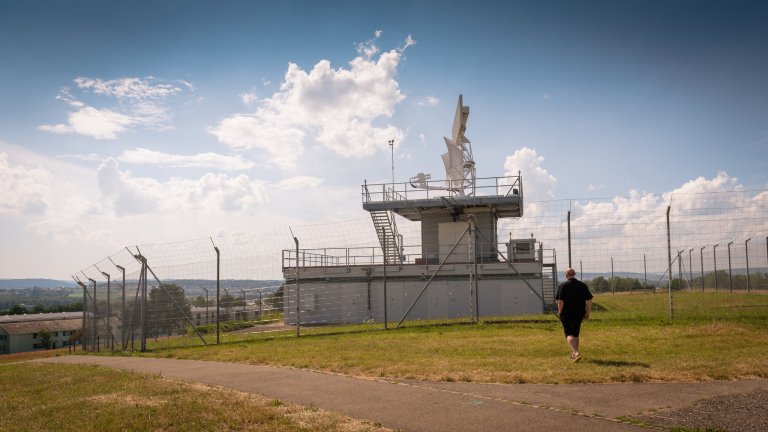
pixel 138 122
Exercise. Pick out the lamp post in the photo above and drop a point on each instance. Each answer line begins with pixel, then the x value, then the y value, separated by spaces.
pixel 702 267
pixel 392 158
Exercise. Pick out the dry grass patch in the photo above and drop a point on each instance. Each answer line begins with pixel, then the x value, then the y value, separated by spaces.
pixel 82 398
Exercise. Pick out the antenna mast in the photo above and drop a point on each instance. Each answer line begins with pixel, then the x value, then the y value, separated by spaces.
pixel 459 162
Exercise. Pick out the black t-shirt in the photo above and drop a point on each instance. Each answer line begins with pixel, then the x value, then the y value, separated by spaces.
pixel 574 293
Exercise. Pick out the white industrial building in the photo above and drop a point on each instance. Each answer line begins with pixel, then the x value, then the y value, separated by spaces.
pixel 460 268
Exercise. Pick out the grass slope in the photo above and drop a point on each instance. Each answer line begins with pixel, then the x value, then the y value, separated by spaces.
pixel 630 338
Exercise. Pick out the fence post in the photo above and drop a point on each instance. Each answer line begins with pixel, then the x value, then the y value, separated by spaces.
pixel 645 275
pixel 94 330
pixel 714 260
pixel 111 340
pixel 473 251
pixel 123 339
pixel 218 294
pixel 384 236
pixel 690 270
pixel 143 307
pixel 569 240
pixel 613 280
pixel 746 251
pixel 701 252
pixel 298 297
pixel 669 259
pixel 679 272
pixel 730 273
pixel 83 333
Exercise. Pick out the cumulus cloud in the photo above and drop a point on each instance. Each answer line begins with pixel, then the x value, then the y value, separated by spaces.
pixel 627 229
pixel 426 101
pixel 130 195
pixel 299 182
pixel 138 102
pixel 249 98
pixel 340 109
pixel 142 156
pixel 539 184
pixel 24 190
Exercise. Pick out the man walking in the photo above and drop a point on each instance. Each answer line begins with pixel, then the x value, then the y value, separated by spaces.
pixel 574 303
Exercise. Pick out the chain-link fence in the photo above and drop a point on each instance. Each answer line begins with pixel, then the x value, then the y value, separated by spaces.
pixel 221 289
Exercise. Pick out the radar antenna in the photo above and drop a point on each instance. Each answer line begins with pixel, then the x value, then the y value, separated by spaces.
pixel 458 161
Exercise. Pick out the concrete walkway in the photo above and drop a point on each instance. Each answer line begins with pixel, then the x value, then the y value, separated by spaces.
pixel 439 406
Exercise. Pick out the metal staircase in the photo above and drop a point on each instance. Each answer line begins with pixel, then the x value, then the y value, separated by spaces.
pixel 390 240
pixel 549 284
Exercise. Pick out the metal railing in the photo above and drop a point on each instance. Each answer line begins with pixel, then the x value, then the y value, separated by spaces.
pixel 436 189
pixel 412 255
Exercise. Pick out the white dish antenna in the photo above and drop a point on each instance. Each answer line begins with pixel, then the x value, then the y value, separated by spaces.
pixel 458 161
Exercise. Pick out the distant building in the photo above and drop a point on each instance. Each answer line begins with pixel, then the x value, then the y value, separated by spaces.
pixel 21 333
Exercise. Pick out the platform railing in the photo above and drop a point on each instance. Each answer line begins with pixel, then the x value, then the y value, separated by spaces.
pixel 412 255
pixel 436 189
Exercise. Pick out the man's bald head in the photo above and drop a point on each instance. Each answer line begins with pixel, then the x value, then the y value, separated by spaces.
pixel 570 272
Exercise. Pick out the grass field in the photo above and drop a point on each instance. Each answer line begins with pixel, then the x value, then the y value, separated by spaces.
pixel 40 397
pixel 629 338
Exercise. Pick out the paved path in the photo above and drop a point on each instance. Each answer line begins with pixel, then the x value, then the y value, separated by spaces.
pixel 439 406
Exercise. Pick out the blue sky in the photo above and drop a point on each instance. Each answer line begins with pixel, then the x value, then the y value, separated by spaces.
pixel 144 122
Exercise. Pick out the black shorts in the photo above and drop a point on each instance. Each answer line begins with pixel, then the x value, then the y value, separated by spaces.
pixel 571 326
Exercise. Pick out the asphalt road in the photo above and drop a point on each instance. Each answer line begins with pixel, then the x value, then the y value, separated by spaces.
pixel 441 406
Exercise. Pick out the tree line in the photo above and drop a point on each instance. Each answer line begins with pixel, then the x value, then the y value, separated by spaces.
pixel 757 281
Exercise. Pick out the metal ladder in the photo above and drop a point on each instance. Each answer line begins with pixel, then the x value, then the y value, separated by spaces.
pixel 390 240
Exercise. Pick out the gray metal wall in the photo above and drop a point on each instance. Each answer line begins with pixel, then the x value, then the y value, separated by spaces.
pixel 334 302
pixel 486 226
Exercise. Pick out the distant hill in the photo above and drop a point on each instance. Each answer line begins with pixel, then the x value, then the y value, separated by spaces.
pixel 35 283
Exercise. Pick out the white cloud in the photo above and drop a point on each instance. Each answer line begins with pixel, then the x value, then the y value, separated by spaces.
pixel 144 156
pixel 249 98
pixel 89 121
pixel 25 190
pixel 427 101
pixel 139 102
pixel 703 212
pixel 340 109
pixel 539 184
pixel 299 182
pixel 130 195
pixel 243 132
pixel 593 188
